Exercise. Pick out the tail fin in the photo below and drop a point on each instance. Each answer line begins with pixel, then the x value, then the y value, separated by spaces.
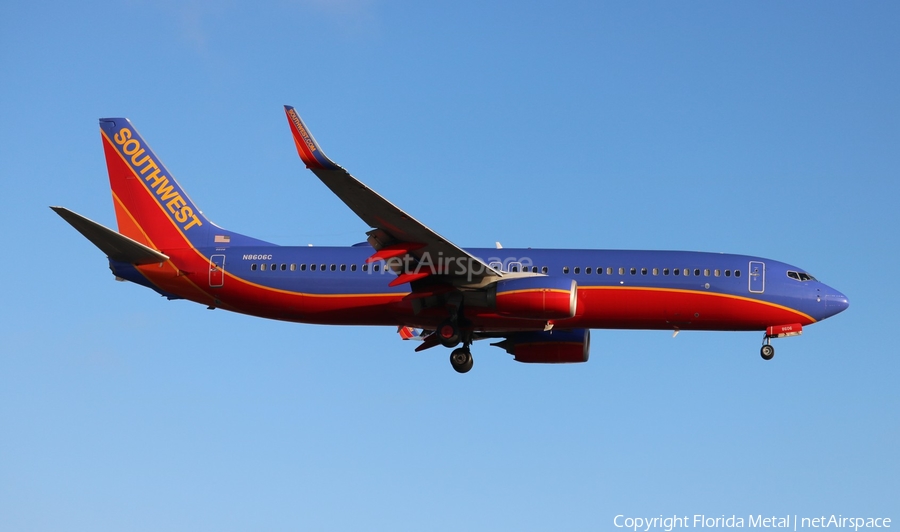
pixel 151 207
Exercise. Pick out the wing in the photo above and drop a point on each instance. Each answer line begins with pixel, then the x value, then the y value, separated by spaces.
pixel 412 250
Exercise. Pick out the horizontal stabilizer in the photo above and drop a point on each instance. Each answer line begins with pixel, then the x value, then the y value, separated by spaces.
pixel 117 247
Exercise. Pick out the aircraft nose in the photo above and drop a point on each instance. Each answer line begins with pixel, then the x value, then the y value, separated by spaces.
pixel 835 302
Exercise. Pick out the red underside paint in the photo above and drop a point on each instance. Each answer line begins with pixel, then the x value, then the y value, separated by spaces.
pixel 539 303
pixel 644 308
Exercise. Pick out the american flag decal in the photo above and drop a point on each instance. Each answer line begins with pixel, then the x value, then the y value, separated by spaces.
pixel 222 239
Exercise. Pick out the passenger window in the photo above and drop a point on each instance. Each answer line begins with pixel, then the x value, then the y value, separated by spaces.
pixel 565 269
pixel 534 269
pixel 322 267
pixel 587 270
pixel 343 267
pixel 365 267
pixel 312 267
pixel 262 267
pixel 544 269
pixel 697 272
pixel 655 271
pixel 599 270
pixel 676 271
pixel 609 271
pixel 706 272
pixel 303 267
pixel 687 272
pixel 727 273
pixel 737 273
pixel 621 271
pixel 353 267
pixel 643 271
pixel 274 267
pixel 375 268
pixel 717 273
pixel 284 267
pixel 333 267
pixel 577 269
pixel 293 267
pixel 665 271
pixel 253 267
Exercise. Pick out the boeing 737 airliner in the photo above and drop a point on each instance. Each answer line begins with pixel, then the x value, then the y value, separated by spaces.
pixel 537 304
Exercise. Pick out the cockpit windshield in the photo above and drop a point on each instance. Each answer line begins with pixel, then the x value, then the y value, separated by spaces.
pixel 800 276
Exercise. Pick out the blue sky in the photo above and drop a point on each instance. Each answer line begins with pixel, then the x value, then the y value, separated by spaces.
pixel 770 129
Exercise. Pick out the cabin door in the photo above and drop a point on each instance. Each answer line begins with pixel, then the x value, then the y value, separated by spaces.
pixel 757 277
pixel 216 271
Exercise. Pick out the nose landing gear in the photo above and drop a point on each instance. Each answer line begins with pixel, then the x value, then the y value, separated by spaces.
pixel 767 351
pixel 778 331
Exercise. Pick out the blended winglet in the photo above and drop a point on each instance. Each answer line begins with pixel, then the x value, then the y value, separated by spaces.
pixel 309 150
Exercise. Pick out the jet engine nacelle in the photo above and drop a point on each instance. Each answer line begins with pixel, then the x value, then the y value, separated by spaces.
pixel 541 298
pixel 549 347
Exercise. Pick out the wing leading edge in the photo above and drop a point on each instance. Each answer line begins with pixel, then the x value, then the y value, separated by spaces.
pixel 418 251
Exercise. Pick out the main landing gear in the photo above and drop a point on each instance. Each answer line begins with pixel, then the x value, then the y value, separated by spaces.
pixel 450 333
pixel 461 359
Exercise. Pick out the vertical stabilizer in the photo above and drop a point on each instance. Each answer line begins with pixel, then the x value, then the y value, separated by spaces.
pixel 151 207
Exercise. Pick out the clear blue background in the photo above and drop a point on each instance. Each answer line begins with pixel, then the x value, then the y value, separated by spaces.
pixel 765 128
